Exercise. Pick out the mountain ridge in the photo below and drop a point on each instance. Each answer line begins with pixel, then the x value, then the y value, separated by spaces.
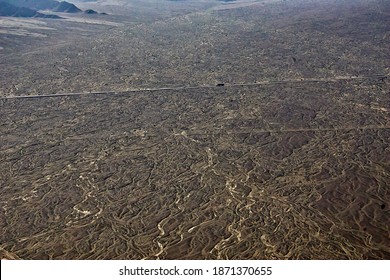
pixel 29 8
pixel 7 9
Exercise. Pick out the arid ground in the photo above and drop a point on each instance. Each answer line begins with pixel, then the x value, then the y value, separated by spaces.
pixel 197 130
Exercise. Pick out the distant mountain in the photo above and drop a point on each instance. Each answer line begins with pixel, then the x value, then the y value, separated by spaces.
pixel 55 6
pixel 29 8
pixel 9 10
pixel 66 7
pixel 90 12
pixel 34 4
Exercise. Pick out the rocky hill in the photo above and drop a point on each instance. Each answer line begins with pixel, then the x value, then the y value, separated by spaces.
pixel 7 9
pixel 90 12
pixel 29 8
pixel 34 4
pixel 66 7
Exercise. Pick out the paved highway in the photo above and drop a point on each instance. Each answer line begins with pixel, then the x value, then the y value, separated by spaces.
pixel 260 83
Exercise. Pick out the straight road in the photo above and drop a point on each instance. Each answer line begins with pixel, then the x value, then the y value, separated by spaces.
pixel 260 83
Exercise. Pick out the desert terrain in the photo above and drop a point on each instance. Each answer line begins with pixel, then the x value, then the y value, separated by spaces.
pixel 197 130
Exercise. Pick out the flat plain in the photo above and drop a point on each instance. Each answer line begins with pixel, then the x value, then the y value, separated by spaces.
pixel 288 158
